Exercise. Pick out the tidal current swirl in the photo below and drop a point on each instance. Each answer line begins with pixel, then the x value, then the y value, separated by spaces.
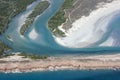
pixel 42 42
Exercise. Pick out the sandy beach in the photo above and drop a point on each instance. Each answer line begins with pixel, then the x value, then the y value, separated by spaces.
pixel 18 64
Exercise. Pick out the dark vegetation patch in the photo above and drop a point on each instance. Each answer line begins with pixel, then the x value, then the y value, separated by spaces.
pixel 8 9
pixel 40 8
pixel 59 18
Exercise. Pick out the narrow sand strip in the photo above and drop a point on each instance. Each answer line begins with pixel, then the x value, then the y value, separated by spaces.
pixel 18 64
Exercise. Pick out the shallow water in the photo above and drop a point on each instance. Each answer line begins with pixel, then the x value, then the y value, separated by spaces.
pixel 44 43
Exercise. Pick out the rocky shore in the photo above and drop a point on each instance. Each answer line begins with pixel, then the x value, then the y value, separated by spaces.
pixel 19 64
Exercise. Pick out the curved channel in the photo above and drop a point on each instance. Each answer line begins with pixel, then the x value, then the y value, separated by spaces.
pixel 43 41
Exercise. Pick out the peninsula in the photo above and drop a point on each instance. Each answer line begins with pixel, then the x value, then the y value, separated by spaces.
pixel 39 9
pixel 60 17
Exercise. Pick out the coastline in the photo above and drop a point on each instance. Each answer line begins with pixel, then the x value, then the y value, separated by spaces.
pixel 91 28
pixel 16 64
pixel 31 17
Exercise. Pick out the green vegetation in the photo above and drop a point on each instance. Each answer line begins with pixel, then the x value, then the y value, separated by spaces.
pixel 3 48
pixel 40 8
pixel 32 56
pixel 59 18
pixel 8 9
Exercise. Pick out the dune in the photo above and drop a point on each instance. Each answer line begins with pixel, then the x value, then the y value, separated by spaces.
pixel 90 29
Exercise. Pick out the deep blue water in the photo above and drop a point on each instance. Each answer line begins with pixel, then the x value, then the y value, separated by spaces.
pixel 64 75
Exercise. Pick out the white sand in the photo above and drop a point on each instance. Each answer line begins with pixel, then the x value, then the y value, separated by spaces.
pixel 18 64
pixel 90 29
pixel 109 42
pixel 33 35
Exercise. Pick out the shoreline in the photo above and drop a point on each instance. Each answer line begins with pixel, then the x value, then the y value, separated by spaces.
pixel 17 64
pixel 31 17
pixel 88 28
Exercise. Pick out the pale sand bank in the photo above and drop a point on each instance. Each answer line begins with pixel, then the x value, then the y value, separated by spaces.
pixel 90 29
pixel 18 64
pixel 33 34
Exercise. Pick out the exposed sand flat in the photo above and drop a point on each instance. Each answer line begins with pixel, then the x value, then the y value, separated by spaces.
pixel 89 29
pixel 19 64
pixel 33 35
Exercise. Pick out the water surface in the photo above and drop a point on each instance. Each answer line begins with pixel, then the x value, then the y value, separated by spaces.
pixel 64 75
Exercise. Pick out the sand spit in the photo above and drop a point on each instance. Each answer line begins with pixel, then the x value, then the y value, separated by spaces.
pixel 18 64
